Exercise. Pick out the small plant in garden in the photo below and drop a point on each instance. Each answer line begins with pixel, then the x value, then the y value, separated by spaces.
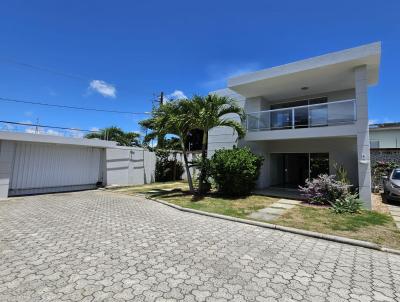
pixel 341 173
pixel 347 204
pixel 235 171
pixel 167 167
pixel 324 189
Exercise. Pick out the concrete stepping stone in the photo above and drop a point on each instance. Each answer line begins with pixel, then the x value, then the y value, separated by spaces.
pixel 263 216
pixel 290 201
pixel 273 211
pixel 282 205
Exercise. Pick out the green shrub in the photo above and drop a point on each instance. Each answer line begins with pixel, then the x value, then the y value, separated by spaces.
pixel 324 189
pixel 235 171
pixel 167 167
pixel 347 204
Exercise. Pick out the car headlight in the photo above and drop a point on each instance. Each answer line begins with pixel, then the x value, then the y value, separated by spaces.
pixel 395 186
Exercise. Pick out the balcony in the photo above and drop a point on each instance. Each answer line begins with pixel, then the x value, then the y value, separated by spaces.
pixel 308 116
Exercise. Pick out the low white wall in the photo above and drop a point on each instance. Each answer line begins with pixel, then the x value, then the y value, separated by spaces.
pixel 129 166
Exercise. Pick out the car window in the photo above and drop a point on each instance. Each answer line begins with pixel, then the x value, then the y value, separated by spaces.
pixel 396 174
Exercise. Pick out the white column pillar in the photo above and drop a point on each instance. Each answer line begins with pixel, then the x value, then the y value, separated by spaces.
pixel 363 148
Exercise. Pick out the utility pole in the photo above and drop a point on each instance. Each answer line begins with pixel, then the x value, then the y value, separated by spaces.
pixel 160 138
pixel 37 127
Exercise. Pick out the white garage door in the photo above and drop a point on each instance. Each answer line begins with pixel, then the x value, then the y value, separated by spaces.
pixel 42 168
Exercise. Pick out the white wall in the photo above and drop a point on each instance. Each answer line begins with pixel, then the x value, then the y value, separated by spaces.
pixel 387 138
pixel 115 165
pixel 129 166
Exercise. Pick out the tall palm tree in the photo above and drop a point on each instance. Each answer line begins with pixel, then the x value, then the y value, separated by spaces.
pixel 175 118
pixel 210 112
pixel 118 135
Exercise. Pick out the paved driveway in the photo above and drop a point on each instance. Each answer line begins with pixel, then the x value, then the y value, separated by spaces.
pixel 97 246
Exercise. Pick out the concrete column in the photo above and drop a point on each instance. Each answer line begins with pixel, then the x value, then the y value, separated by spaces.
pixel 363 148
pixel 6 158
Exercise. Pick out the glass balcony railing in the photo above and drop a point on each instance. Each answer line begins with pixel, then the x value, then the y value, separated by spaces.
pixel 318 115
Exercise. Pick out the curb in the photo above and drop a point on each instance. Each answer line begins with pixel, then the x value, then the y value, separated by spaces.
pixel 354 242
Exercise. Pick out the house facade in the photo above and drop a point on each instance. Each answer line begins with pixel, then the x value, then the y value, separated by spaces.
pixel 385 144
pixel 385 136
pixel 307 117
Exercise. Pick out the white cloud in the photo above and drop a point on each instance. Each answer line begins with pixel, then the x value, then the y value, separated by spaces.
pixel 373 121
pixel 176 95
pixel 105 89
pixel 74 133
pixel 94 129
pixel 219 74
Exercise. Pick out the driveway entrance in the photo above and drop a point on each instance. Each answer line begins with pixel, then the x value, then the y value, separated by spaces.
pixel 100 246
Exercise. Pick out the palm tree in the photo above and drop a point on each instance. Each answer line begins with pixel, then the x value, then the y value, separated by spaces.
pixel 116 134
pixel 174 118
pixel 211 111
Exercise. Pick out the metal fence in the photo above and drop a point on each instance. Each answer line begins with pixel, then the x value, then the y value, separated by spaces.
pixel 46 130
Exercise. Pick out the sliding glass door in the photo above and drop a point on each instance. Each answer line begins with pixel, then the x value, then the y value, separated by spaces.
pixel 291 170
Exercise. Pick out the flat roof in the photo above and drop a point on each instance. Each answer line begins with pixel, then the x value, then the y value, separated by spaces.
pixel 333 70
pixel 384 126
pixel 53 139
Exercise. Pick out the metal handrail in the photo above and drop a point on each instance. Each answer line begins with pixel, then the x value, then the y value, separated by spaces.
pixel 302 106
pixel 258 116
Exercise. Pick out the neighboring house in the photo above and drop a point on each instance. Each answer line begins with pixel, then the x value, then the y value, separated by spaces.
pixel 39 163
pixel 384 136
pixel 385 142
pixel 305 116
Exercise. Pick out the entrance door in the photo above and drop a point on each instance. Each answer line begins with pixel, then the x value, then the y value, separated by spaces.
pixel 291 170
pixel 296 169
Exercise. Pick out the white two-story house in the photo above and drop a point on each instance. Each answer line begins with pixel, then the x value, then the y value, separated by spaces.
pixel 304 117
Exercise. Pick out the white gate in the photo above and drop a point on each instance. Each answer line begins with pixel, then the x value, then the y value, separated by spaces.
pixel 43 168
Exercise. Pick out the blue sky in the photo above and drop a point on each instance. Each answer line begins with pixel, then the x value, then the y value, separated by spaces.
pixel 122 53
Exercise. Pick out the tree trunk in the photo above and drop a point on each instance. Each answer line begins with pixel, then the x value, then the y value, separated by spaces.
pixel 188 175
pixel 203 171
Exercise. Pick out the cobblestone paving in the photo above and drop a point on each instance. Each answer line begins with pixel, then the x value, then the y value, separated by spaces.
pixel 100 246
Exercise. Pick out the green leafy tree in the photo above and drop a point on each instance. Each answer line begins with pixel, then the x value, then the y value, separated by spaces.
pixel 176 118
pixel 118 135
pixel 214 111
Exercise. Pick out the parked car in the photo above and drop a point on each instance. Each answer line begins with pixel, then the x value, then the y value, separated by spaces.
pixel 391 185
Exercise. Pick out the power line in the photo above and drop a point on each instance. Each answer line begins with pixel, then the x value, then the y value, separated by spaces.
pixel 46 126
pixel 46 69
pixel 70 107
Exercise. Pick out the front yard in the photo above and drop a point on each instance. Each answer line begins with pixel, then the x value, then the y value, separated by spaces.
pixel 177 193
pixel 374 226
pixel 370 226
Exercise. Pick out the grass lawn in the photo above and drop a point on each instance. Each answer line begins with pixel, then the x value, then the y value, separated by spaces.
pixel 237 207
pixel 373 226
pixel 368 225
pixel 177 193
